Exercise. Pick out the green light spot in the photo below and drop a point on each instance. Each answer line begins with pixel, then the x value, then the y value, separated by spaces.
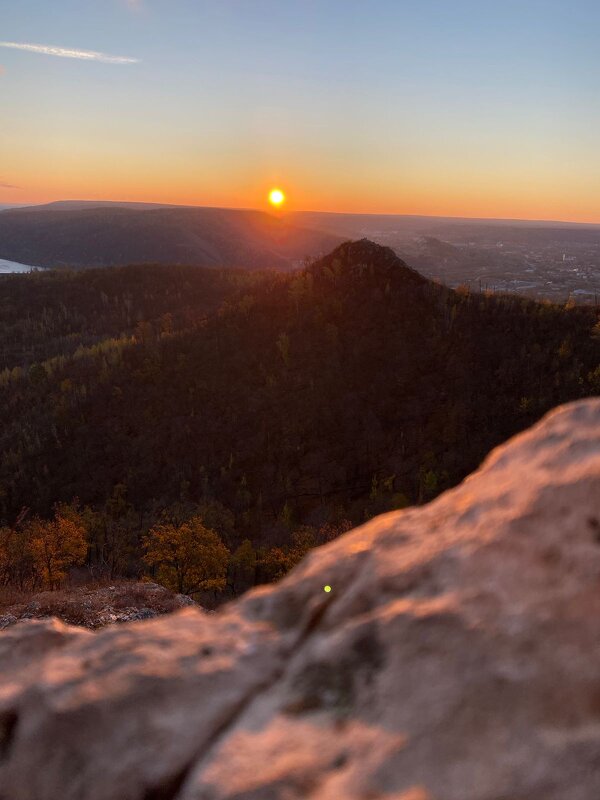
pixel 327 589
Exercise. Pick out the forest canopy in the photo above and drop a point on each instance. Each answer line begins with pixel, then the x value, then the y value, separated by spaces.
pixel 274 410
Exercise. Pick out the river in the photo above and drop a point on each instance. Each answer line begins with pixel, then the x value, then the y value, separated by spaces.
pixel 12 266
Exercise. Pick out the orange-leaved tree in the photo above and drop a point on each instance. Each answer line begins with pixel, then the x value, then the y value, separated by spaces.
pixel 188 558
pixel 57 545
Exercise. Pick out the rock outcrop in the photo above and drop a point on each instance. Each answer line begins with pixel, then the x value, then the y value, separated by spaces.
pixel 93 608
pixel 456 657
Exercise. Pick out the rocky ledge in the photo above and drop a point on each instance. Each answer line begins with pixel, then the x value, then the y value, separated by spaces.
pixel 456 657
pixel 94 608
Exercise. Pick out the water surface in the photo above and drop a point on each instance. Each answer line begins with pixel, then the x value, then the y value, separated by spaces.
pixel 13 266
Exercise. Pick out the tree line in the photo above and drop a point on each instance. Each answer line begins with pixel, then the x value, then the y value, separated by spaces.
pixel 180 552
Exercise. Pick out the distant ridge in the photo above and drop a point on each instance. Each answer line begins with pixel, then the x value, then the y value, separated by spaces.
pixel 87 205
pixel 336 218
pixel 312 218
pixel 60 235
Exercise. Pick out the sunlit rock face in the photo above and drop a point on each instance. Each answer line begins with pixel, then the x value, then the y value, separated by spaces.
pixel 456 657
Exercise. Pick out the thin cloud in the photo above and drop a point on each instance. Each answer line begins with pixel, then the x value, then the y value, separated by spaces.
pixel 8 186
pixel 63 52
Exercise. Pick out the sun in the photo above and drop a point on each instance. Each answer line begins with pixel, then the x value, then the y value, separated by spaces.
pixel 276 197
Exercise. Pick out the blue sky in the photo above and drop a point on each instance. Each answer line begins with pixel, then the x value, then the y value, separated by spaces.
pixel 487 108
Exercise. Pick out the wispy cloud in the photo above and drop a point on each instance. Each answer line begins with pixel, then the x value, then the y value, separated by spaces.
pixel 8 186
pixel 63 52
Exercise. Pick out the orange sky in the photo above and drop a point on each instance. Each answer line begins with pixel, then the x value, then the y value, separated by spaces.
pixel 490 112
pixel 464 198
pixel 78 164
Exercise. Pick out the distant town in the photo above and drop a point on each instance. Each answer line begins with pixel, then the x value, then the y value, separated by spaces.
pixel 550 271
pixel 553 261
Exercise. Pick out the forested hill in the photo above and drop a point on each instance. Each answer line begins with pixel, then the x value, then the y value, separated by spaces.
pixel 342 390
pixel 53 313
pixel 116 236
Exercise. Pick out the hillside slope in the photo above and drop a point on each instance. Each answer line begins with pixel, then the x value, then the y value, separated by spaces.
pixel 347 389
pixel 114 236
pixel 453 659
pixel 52 313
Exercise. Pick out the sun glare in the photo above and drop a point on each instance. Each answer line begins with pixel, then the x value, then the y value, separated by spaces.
pixel 276 197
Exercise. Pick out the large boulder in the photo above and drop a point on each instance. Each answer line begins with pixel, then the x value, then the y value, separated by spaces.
pixel 456 657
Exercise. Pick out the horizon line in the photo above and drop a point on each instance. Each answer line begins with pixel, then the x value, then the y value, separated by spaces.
pixel 457 218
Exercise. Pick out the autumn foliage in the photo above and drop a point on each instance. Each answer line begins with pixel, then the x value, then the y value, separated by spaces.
pixel 187 558
pixel 40 553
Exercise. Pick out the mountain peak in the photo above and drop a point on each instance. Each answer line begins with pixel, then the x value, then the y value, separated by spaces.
pixel 365 257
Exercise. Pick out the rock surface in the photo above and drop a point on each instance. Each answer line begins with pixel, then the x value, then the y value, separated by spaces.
pixel 457 657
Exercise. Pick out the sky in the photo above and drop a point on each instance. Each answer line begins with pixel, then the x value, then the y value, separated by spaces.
pixel 462 108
